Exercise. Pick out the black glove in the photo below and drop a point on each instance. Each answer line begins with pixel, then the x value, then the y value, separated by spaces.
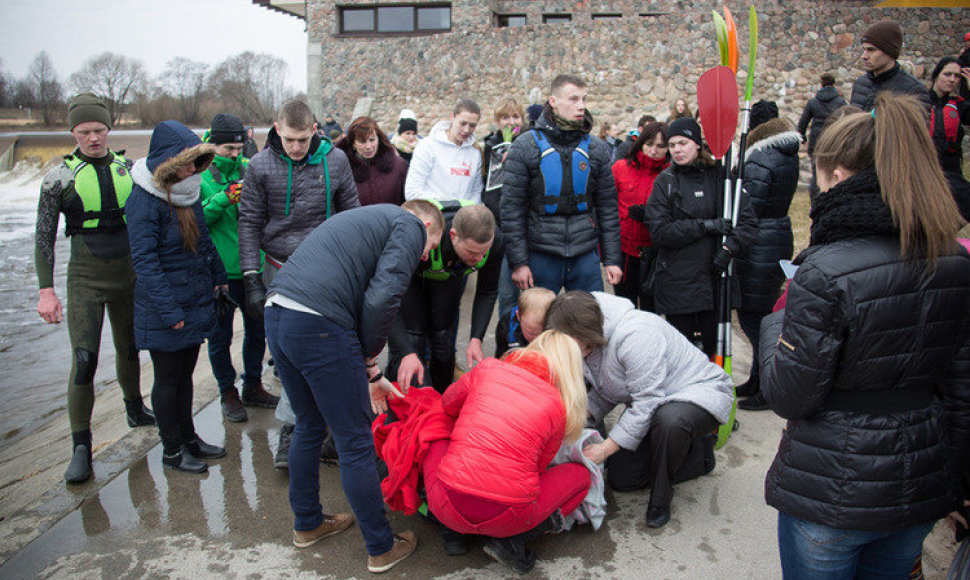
pixel 255 295
pixel 717 227
pixel 637 212
pixel 225 303
pixel 721 260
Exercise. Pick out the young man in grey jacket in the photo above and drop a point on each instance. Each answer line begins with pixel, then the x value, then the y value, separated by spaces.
pixel 299 181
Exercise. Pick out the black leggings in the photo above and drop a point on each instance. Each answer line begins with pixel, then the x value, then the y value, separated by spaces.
pixel 172 396
pixel 700 328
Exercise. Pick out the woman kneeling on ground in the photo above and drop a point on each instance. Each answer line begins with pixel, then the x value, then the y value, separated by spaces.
pixel 674 396
pixel 511 415
pixel 871 361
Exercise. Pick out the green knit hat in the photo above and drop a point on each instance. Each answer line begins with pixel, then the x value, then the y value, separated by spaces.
pixel 87 107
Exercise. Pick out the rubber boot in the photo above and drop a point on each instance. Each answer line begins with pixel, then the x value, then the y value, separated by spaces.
pixel 138 414
pixel 79 470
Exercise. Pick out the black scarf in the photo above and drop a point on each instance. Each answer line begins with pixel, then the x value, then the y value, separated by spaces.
pixel 851 209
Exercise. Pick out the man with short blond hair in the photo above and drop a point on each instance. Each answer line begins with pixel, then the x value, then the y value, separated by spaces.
pixel 293 185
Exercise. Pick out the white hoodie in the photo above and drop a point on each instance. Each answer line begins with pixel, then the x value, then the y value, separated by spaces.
pixel 444 171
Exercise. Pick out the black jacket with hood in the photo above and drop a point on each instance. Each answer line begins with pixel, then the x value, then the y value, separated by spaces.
pixel 770 178
pixel 818 109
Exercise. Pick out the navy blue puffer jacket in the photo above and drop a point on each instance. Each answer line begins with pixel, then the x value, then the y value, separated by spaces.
pixel 172 284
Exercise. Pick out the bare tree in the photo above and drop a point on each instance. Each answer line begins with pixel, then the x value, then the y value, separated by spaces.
pixel 184 81
pixel 113 76
pixel 47 90
pixel 23 94
pixel 253 84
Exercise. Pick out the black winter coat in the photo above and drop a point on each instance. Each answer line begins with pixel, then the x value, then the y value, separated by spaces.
pixel 868 86
pixel 526 226
pixel 872 370
pixel 770 178
pixel 682 198
pixel 818 109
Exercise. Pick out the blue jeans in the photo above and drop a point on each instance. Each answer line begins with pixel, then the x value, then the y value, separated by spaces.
pixel 554 273
pixel 751 325
pixel 816 552
pixel 322 369
pixel 254 345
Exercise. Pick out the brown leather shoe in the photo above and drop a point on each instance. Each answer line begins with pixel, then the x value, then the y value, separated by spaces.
pixel 404 545
pixel 331 525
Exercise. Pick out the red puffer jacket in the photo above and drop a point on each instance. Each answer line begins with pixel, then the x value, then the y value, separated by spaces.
pixel 633 186
pixel 509 424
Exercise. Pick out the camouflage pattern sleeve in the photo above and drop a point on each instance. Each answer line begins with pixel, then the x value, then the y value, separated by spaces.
pixel 53 191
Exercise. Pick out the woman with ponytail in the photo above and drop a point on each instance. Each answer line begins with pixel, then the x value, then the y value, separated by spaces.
pixel 178 272
pixel 493 476
pixel 870 360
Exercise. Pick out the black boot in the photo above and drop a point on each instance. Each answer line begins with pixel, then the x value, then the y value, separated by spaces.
pixel 512 552
pixel 750 387
pixel 281 459
pixel 202 450
pixel 79 470
pixel 138 414
pixel 755 403
pixel 657 516
pixel 455 544
pixel 184 461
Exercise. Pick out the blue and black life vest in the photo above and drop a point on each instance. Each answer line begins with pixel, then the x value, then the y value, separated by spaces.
pixel 513 341
pixel 559 196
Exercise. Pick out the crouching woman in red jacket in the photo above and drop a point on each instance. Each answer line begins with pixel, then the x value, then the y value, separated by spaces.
pixel 493 477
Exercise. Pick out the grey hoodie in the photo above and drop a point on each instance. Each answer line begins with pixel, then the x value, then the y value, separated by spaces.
pixel 646 362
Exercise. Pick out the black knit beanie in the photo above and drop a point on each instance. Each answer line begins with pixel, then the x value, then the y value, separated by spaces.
pixel 226 128
pixel 762 112
pixel 87 107
pixel 406 124
pixel 685 127
pixel 887 36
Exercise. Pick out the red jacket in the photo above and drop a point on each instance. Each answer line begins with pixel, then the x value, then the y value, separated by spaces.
pixel 633 186
pixel 509 424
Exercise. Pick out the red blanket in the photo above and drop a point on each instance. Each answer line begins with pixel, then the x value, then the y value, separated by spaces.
pixel 404 443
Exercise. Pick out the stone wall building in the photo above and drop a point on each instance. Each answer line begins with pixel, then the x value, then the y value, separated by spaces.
pixel 638 56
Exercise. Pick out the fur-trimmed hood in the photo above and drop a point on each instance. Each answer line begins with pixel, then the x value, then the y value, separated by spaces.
pixel 778 133
pixel 172 146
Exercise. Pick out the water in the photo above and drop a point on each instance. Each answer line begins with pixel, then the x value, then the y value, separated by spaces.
pixel 34 356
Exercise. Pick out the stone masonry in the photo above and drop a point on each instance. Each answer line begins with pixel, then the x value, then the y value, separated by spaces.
pixel 638 63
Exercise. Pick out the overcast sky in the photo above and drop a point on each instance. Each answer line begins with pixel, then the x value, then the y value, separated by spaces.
pixel 154 31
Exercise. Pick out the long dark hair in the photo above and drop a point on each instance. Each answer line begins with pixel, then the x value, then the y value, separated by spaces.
pixel 939 69
pixel 647 135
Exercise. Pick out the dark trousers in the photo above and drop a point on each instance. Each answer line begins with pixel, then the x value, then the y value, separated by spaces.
pixel 630 286
pixel 254 345
pixel 700 328
pixel 172 396
pixel 428 309
pixel 751 325
pixel 673 451
pixel 322 369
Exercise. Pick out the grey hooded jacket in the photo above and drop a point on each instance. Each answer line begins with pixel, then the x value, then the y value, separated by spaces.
pixel 646 362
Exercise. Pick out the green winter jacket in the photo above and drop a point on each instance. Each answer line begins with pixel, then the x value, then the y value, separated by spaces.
pixel 221 216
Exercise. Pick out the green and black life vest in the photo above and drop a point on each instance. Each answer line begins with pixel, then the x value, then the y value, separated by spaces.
pixel 102 206
pixel 557 196
pixel 436 269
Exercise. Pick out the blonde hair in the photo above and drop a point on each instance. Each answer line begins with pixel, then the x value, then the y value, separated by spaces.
pixel 894 141
pixel 566 362
pixel 536 301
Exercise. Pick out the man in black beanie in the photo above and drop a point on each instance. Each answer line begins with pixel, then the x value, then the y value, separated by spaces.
pixel 90 187
pixel 881 46
pixel 221 193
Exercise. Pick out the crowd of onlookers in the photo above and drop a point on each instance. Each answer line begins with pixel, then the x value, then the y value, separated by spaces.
pixel 336 243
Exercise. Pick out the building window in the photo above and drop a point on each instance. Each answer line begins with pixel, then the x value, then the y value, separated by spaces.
pixel 607 16
pixel 394 19
pixel 510 20
pixel 556 18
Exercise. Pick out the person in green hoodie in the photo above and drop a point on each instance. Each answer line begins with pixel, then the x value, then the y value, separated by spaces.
pixel 221 192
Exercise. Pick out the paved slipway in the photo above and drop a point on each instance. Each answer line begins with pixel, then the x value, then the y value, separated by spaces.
pixel 136 520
